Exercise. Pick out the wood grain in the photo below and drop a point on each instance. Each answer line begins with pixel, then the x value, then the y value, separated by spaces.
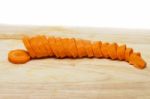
pixel 74 78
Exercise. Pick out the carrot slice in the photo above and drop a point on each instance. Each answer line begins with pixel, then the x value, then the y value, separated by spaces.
pixel 60 48
pixel 83 48
pixel 35 47
pixel 88 48
pixel 121 52
pixel 66 43
pixel 72 48
pixel 41 46
pixel 80 48
pixel 104 49
pixel 46 46
pixel 18 56
pixel 28 47
pixel 113 51
pixel 128 52
pixel 137 61
pixel 53 45
pixel 96 48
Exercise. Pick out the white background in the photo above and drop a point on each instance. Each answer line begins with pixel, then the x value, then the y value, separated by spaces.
pixel 95 13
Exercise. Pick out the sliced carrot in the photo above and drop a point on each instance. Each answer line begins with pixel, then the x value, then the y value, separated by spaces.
pixel 53 45
pixel 80 48
pixel 18 56
pixel 113 51
pixel 128 52
pixel 28 47
pixel 137 61
pixel 88 48
pixel 121 52
pixel 104 49
pixel 46 46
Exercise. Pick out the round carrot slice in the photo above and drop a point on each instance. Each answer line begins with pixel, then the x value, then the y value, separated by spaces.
pixel 42 48
pixel 64 42
pixel 18 56
pixel 88 48
pixel 28 47
pixel 137 61
pixel 72 48
pixel 104 49
pixel 35 47
pixel 113 51
pixel 53 45
pixel 80 48
pixel 128 52
pixel 95 49
pixel 59 48
pixel 98 47
pixel 46 46
pixel 121 52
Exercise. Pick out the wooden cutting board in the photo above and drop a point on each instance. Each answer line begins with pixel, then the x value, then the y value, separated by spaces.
pixel 74 78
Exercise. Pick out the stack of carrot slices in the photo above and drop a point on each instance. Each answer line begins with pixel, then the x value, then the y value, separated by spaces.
pixel 41 46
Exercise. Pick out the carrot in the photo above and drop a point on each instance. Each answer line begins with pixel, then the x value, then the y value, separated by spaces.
pixel 46 46
pixel 28 46
pixel 18 56
pixel 113 51
pixel 104 49
pixel 137 61
pixel 121 52
pixel 128 52
pixel 88 48
pixel 40 46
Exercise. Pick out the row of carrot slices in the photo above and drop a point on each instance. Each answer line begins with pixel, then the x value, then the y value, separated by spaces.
pixel 41 46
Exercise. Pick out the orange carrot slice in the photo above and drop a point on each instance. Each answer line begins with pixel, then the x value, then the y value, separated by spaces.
pixel 60 48
pixel 46 46
pixel 53 45
pixel 41 46
pixel 96 48
pixel 104 49
pixel 80 48
pixel 137 61
pixel 72 48
pixel 121 52
pixel 18 56
pixel 66 43
pixel 88 48
pixel 35 47
pixel 113 51
pixel 128 52
pixel 28 47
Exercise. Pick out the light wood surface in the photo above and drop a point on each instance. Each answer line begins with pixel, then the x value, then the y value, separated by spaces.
pixel 74 78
